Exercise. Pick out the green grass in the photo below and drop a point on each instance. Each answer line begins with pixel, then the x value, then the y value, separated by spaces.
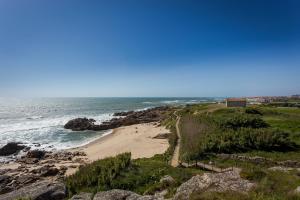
pixel 140 175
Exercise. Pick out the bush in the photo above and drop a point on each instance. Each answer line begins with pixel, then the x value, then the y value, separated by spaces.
pixel 246 139
pixel 98 175
pixel 242 121
pixel 254 111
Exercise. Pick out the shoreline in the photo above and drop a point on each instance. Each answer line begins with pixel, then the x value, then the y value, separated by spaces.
pixel 137 139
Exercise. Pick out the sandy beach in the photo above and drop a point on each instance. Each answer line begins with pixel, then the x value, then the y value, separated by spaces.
pixel 137 139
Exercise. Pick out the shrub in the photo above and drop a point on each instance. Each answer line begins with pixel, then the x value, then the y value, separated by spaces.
pixel 242 121
pixel 254 111
pixel 98 175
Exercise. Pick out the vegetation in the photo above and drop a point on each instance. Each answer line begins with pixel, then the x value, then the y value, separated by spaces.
pixel 234 132
pixel 141 175
pixel 98 175
pixel 271 132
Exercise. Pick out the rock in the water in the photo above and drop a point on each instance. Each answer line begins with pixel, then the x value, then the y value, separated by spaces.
pixel 43 190
pixel 82 196
pixel 218 182
pixel 80 124
pixel 131 118
pixel 122 195
pixel 11 148
pixel 123 114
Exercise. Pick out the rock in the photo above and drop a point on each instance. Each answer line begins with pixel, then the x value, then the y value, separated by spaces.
pixel 161 136
pixel 82 196
pixel 297 190
pixel 80 124
pixel 117 194
pixel 48 170
pixel 217 182
pixel 26 179
pixel 123 114
pixel 4 181
pixel 43 190
pixel 39 154
pixel 11 148
pixel 131 118
pixel 167 180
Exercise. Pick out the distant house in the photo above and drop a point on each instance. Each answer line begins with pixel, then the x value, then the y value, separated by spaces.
pixel 236 102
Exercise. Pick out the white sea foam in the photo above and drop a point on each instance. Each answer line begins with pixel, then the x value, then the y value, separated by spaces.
pixel 49 132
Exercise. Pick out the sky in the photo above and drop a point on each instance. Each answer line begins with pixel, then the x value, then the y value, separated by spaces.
pixel 149 48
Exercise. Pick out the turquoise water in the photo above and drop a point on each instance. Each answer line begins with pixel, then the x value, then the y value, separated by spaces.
pixel 41 121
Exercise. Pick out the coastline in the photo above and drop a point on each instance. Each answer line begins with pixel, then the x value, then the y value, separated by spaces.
pixel 137 139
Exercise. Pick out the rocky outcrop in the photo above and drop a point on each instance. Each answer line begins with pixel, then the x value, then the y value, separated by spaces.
pixel 219 182
pixel 145 116
pixel 122 195
pixel 80 124
pixel 39 154
pixel 43 190
pixel 123 114
pixel 11 148
pixel 4 181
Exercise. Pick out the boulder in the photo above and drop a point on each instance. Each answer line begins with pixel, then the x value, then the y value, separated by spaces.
pixel 82 196
pixel 11 148
pixel 48 170
pixel 4 181
pixel 167 180
pixel 43 190
pixel 131 118
pixel 39 154
pixel 117 194
pixel 217 182
pixel 80 124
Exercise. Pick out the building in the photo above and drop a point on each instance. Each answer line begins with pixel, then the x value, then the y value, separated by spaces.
pixel 236 102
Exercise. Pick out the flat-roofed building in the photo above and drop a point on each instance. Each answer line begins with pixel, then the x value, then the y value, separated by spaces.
pixel 236 102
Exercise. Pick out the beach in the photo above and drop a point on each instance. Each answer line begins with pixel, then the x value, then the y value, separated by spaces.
pixel 137 139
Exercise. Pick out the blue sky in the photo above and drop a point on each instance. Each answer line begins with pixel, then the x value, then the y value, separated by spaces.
pixel 149 47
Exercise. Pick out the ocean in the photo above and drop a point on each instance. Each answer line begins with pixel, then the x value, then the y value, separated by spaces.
pixel 39 122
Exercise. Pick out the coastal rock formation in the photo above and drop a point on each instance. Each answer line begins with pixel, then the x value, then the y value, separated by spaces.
pixel 11 148
pixel 130 118
pixel 218 182
pixel 80 124
pixel 123 114
pixel 43 190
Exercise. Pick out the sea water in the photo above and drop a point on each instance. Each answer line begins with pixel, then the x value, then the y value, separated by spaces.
pixel 39 122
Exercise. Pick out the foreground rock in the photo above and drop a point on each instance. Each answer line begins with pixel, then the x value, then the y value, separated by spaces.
pixel 217 182
pixel 44 190
pixel 122 195
pixel 130 118
pixel 82 196
pixel 11 148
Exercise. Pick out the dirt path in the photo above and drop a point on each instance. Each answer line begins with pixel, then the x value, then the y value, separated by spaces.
pixel 175 157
